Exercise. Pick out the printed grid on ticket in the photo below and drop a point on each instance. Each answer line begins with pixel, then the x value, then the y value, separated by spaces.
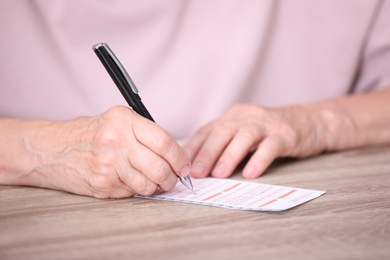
pixel 228 193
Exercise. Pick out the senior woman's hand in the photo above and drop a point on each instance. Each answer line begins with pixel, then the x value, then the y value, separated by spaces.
pixel 112 155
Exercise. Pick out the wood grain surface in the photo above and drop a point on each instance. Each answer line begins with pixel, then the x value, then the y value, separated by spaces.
pixel 351 221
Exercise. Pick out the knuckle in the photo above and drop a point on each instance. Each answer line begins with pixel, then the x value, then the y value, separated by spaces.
pixel 102 182
pixel 116 111
pixel 102 177
pixel 223 129
pixel 289 134
pixel 147 188
pixel 248 133
pixel 161 172
pixel 107 137
pixel 163 142
pixel 103 164
pixel 111 125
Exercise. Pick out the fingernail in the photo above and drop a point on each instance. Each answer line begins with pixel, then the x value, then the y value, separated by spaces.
pixel 185 171
pixel 197 169
pixel 249 172
pixel 219 170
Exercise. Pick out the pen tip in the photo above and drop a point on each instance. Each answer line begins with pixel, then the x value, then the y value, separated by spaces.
pixel 186 180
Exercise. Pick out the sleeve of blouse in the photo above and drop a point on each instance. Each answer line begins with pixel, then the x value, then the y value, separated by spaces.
pixel 374 66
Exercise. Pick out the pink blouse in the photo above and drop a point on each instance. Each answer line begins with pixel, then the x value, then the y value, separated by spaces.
pixel 191 60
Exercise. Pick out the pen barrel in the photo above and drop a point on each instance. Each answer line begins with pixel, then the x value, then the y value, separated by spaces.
pixel 124 84
pixel 141 109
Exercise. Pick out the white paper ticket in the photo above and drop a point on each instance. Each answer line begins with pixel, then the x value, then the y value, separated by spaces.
pixel 241 195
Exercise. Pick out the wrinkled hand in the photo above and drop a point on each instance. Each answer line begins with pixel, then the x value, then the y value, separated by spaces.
pixel 115 154
pixel 218 147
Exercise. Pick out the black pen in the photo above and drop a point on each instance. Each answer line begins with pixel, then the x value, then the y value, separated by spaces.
pixel 128 89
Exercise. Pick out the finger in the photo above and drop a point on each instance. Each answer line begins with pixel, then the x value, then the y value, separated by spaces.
pixel 161 143
pixel 122 191
pixel 104 185
pixel 138 182
pixel 268 150
pixel 210 151
pixel 194 144
pixel 236 151
pixel 147 171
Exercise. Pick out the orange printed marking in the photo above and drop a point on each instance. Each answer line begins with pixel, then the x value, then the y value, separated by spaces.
pixel 232 187
pixel 269 202
pixel 213 196
pixel 288 193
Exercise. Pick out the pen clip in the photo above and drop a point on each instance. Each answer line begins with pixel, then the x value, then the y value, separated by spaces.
pixel 118 64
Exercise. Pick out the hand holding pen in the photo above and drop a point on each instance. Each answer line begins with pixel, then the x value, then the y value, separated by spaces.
pixel 130 93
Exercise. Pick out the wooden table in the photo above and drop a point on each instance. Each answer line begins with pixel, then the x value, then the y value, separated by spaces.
pixel 351 221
